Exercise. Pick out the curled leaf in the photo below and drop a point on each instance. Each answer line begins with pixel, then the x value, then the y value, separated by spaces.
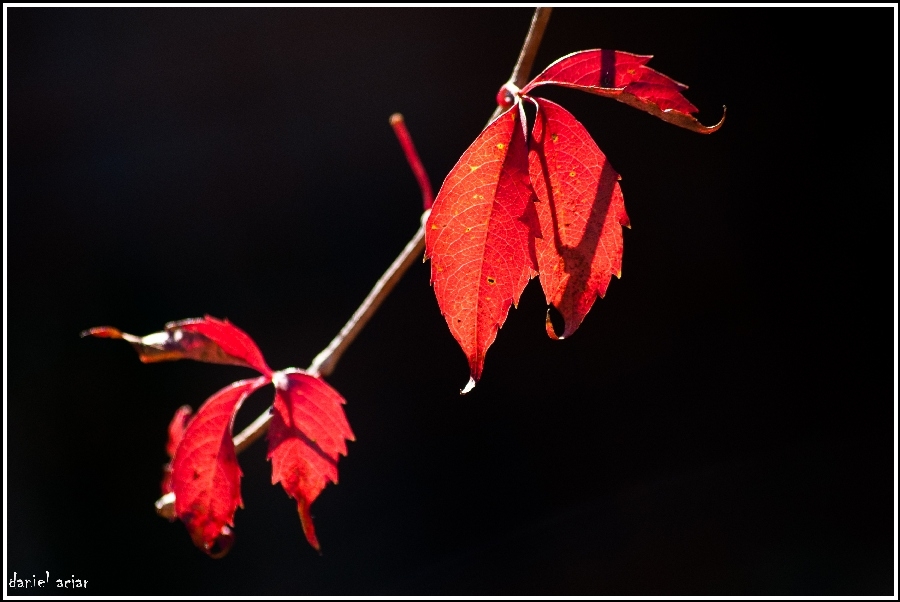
pixel 625 77
pixel 205 473
pixel 581 211
pixel 204 339
pixel 306 437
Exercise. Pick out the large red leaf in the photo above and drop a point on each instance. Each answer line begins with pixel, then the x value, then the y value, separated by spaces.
pixel 479 234
pixel 204 339
pixel 306 438
pixel 581 212
pixel 626 78
pixel 205 473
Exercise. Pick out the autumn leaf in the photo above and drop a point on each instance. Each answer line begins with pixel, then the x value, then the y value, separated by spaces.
pixel 580 203
pixel 479 237
pixel 626 78
pixel 206 478
pixel 204 339
pixel 306 438
pixel 492 226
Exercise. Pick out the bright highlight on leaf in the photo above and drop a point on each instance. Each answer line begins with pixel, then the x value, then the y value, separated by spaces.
pixel 306 438
pixel 482 238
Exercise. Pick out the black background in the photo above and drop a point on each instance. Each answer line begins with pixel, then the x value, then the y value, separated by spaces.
pixel 717 426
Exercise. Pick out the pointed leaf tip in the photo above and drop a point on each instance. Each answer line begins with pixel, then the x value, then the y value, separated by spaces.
pixel 102 332
pixel 306 523
pixel 709 129
pixel 469 386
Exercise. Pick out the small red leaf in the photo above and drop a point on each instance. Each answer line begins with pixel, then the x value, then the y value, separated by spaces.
pixel 306 438
pixel 626 78
pixel 478 237
pixel 205 473
pixel 580 203
pixel 203 339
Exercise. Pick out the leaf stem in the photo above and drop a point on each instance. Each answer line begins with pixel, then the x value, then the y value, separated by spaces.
pixel 324 363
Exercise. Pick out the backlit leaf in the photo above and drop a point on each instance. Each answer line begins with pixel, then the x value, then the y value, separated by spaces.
pixel 479 237
pixel 205 473
pixel 626 78
pixel 581 212
pixel 306 437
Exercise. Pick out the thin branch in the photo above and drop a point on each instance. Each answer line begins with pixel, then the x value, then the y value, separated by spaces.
pixel 324 363
pixel 252 431
pixel 522 71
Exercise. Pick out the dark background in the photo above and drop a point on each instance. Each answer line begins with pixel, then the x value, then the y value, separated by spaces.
pixel 718 425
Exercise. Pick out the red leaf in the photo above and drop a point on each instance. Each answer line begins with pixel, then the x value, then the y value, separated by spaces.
pixel 478 237
pixel 624 77
pixel 306 438
pixel 580 202
pixel 205 473
pixel 203 339
pixel 177 427
pixel 306 435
